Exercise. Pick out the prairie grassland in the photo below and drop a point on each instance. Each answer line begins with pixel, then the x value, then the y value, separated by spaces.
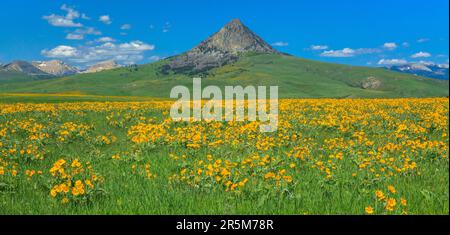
pixel 329 156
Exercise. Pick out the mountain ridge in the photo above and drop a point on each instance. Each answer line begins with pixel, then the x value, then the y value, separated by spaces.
pixel 431 70
pixel 23 67
pixel 51 68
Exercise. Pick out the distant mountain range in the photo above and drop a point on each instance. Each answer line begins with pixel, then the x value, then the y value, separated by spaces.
pixel 431 70
pixel 51 68
pixel 232 56
pixel 23 67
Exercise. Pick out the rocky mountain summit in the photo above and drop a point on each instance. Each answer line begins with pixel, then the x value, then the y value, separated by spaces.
pixel 101 66
pixel 223 47
pixel 55 67
pixel 432 70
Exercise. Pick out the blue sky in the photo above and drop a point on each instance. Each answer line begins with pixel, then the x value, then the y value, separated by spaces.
pixel 370 33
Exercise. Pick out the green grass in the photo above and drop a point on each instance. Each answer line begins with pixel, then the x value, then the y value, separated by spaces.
pixel 296 78
pixel 65 98
pixel 14 77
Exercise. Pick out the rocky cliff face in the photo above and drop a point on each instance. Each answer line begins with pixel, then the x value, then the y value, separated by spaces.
pixel 223 47
pixel 101 66
pixel 55 67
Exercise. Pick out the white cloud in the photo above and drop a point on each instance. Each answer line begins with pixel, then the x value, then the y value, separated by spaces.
pixel 88 30
pixel 64 21
pixel 125 27
pixel 445 66
pixel 405 44
pixel 392 62
pixel 346 52
pixel 128 58
pixel 349 52
pixel 79 33
pixel 431 63
pixel 421 54
pixel 105 39
pixel 72 36
pixel 68 20
pixel 136 46
pixel 424 62
pixel 105 19
pixel 127 53
pixel 390 45
pixel 61 51
pixel 71 13
pixel 155 58
pixel 152 26
pixel 166 27
pixel 85 17
pixel 318 47
pixel 421 40
pixel 280 44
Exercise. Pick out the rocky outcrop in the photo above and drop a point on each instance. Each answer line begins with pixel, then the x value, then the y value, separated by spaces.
pixel 371 83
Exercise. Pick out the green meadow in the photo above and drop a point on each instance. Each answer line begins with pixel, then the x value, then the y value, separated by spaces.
pixel 327 157
pixel 296 78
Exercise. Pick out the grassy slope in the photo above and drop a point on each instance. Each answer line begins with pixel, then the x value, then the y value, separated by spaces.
pixel 14 77
pixel 295 77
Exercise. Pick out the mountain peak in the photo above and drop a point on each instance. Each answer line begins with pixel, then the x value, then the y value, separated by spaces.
pixel 237 38
pixel 223 47
pixel 234 23
pixel 23 67
pixel 101 66
pixel 55 67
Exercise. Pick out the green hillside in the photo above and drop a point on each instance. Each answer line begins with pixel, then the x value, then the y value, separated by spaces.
pixel 14 77
pixel 296 78
pixel 11 77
